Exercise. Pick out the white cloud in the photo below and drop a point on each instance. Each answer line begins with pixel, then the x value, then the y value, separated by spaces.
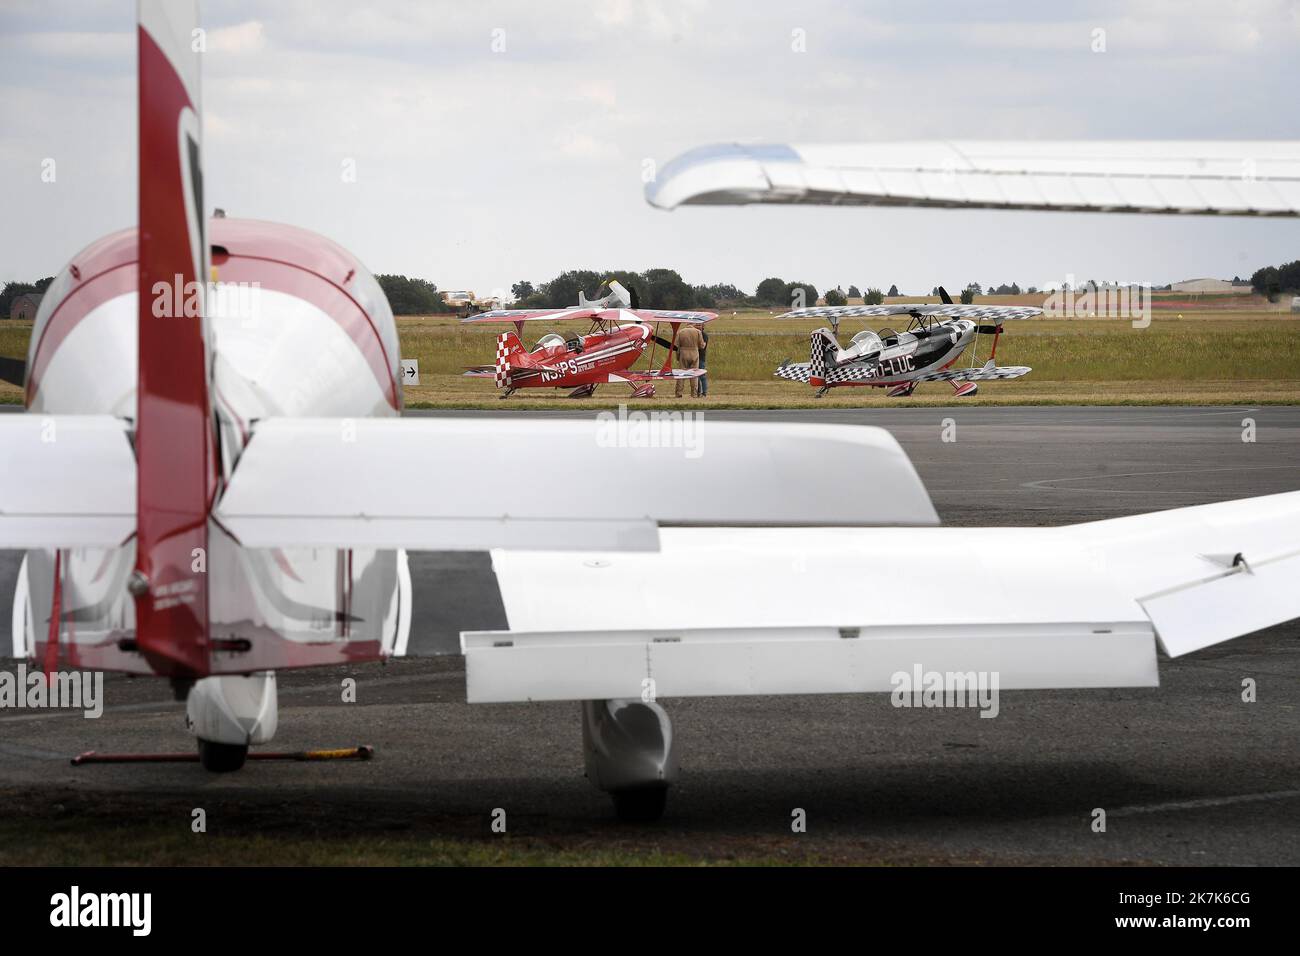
pixel 247 37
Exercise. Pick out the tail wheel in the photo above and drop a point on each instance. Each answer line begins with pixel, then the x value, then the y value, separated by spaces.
pixel 641 804
pixel 221 758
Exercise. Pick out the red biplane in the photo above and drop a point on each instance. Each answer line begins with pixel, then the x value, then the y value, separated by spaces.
pixel 620 334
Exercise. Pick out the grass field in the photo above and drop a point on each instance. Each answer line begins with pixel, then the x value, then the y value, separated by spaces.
pixel 1207 356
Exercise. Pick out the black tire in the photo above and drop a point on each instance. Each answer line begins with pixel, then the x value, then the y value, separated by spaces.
pixel 642 805
pixel 221 758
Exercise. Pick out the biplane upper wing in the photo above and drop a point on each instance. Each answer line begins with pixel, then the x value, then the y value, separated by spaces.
pixel 780 611
pixel 670 315
pixel 533 315
pixel 996 312
pixel 1260 178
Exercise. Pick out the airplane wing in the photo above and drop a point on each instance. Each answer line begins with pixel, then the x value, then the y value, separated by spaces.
pixel 997 312
pixel 669 315
pixel 533 315
pixel 783 611
pixel 1259 178
pixel 988 373
pixel 659 375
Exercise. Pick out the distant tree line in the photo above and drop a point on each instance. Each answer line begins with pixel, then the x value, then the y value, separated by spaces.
pixel 1275 280
pixel 666 289
pixel 412 296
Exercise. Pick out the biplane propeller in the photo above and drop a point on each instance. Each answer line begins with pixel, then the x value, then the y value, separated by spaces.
pixel 927 351
pixel 619 334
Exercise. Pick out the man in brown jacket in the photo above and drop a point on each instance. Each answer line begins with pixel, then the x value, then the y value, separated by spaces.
pixel 688 343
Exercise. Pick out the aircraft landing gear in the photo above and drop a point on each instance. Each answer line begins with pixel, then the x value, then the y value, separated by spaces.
pixel 965 389
pixel 583 391
pixel 507 392
pixel 229 713
pixel 629 753
pixel 644 391
pixel 901 391
pixel 221 758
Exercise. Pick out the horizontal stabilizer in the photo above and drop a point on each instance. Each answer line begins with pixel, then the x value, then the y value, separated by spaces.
pixel 602 484
pixel 66 481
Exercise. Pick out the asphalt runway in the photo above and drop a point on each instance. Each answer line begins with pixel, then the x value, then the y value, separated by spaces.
pixel 1187 773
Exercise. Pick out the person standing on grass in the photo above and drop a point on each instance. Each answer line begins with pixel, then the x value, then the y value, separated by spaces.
pixel 688 342
pixel 704 356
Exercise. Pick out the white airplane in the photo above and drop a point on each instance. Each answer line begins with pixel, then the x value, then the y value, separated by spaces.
pixel 212 483
pixel 211 479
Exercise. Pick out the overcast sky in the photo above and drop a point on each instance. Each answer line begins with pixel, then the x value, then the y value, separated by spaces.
pixel 478 167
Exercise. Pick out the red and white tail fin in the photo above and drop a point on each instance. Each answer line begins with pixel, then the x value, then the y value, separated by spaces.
pixel 174 441
pixel 508 345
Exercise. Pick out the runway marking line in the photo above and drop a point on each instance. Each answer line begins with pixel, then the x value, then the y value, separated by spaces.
pixel 1205 803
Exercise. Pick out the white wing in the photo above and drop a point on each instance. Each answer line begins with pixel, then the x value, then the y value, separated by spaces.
pixel 837 610
pixel 1259 178
pixel 475 484
pixel 999 312
pixel 66 481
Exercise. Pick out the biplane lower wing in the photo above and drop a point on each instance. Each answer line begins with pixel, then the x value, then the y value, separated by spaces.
pixel 658 375
pixel 783 611
pixel 988 372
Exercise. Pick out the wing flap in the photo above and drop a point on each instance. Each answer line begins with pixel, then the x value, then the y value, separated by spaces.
pixel 506 666
pixel 1243 599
